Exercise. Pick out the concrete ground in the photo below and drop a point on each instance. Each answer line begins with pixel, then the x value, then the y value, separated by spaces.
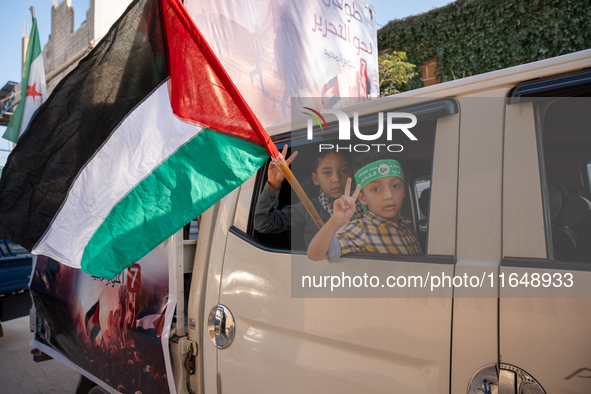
pixel 19 374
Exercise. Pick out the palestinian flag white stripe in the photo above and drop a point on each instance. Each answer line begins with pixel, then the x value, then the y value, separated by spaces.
pixel 149 135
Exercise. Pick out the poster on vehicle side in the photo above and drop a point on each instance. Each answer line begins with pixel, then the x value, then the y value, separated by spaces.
pixel 276 50
pixel 115 332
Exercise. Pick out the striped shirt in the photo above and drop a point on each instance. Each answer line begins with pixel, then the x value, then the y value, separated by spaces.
pixel 375 234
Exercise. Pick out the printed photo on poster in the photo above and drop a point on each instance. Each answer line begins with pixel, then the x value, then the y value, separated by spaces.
pixel 114 331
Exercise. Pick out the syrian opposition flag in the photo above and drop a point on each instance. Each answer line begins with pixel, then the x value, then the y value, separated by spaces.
pixel 33 88
pixel 93 327
pixel 143 136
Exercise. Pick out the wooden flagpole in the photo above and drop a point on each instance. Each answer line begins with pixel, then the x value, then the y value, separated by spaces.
pixel 295 185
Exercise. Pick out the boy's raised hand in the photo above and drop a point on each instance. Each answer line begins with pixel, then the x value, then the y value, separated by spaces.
pixel 343 210
pixel 274 174
pixel 344 207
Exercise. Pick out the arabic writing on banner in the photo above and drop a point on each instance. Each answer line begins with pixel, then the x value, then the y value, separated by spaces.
pixel 276 50
pixel 113 331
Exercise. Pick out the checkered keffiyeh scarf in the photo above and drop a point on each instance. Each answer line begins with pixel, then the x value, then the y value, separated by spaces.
pixel 327 203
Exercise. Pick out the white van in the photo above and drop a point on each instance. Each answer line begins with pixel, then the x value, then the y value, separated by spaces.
pixel 509 178
pixel 498 189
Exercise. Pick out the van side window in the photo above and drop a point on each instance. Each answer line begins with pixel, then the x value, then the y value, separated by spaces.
pixel 566 144
pixel 278 240
pixel 416 158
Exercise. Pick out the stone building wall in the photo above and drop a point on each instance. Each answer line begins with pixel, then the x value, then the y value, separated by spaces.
pixel 64 43
pixel 66 46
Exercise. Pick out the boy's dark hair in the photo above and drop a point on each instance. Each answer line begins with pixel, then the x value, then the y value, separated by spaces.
pixel 317 157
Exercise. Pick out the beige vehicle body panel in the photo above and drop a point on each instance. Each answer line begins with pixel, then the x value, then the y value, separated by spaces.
pixel 548 337
pixel 487 210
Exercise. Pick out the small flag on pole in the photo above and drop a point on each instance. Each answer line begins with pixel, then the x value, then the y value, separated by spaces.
pixel 145 134
pixel 33 88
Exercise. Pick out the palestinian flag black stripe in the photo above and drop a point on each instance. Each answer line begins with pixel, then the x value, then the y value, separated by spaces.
pixel 121 71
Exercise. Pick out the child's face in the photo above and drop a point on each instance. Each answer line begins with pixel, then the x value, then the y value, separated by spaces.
pixel 384 196
pixel 331 175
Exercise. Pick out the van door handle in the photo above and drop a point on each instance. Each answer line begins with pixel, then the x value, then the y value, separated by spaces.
pixel 221 326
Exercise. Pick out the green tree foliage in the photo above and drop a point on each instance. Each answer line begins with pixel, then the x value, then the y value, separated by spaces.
pixel 470 37
pixel 396 74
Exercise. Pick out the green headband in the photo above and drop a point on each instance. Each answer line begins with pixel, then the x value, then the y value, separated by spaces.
pixel 378 169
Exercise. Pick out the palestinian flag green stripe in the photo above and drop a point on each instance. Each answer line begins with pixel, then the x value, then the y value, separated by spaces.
pixel 187 194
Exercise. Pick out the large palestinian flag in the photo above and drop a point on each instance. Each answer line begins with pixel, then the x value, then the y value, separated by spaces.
pixel 144 135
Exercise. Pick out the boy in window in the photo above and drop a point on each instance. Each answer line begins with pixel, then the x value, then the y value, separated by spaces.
pixel 330 173
pixel 380 188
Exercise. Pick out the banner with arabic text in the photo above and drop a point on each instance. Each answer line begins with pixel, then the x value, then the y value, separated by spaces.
pixel 276 50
